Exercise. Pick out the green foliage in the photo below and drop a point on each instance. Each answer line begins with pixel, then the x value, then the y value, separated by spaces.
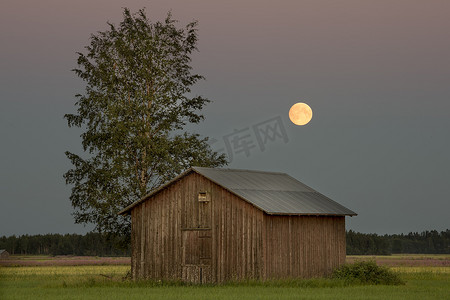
pixel 136 104
pixel 367 272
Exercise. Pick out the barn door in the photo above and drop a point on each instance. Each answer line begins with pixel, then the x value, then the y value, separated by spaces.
pixel 197 245
pixel 197 248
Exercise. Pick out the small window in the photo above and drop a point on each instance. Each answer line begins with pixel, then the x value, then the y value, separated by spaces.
pixel 203 197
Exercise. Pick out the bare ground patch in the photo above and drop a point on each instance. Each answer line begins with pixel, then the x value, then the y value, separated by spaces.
pixel 63 261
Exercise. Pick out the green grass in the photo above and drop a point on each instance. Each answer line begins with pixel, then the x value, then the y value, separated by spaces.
pixel 105 282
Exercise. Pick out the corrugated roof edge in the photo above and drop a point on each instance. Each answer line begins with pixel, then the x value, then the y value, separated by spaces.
pixel 351 215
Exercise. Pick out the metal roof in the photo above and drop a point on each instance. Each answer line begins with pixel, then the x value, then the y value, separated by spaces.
pixel 273 193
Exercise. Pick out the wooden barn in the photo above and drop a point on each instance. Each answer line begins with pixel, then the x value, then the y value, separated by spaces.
pixel 4 254
pixel 214 225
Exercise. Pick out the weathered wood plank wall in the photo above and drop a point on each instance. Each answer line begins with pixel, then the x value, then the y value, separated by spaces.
pixel 237 237
pixel 303 246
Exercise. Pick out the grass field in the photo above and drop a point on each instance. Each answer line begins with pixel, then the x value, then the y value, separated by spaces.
pixel 106 282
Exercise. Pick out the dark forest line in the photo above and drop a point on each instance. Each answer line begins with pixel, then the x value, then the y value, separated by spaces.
pixel 97 244
pixel 90 244
pixel 426 242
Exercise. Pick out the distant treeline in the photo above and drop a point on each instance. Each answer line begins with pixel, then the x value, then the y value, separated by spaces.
pixel 426 242
pixel 96 244
pixel 92 244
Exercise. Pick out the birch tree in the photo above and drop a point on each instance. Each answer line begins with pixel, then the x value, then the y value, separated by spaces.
pixel 133 113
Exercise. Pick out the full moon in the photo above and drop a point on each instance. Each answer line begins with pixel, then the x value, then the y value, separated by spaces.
pixel 300 114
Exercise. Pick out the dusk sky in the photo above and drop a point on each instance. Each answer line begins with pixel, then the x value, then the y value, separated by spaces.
pixel 375 73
